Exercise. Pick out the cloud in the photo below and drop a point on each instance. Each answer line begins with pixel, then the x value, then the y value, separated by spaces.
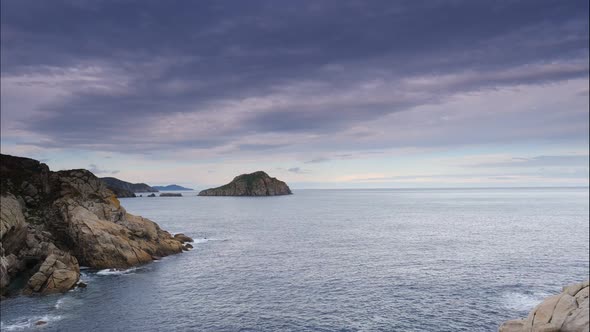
pixel 298 170
pixel 96 170
pixel 540 161
pixel 258 78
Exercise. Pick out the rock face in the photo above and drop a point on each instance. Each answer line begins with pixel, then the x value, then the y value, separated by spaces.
pixel 254 184
pixel 126 189
pixel 565 312
pixel 52 222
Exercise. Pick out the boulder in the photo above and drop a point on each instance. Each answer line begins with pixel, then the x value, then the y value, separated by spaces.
pixel 59 273
pixel 565 312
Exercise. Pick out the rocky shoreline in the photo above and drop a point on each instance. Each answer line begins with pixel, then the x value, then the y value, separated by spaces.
pixel 565 312
pixel 54 222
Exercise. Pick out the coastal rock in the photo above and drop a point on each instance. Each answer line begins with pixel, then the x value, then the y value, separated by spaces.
pixel 183 238
pixel 151 195
pixel 253 184
pixel 53 221
pixel 126 189
pixel 170 195
pixel 565 312
pixel 59 273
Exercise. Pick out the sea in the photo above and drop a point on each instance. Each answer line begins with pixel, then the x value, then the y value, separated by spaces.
pixel 335 260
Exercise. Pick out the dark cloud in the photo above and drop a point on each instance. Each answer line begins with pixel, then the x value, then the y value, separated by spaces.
pixel 149 75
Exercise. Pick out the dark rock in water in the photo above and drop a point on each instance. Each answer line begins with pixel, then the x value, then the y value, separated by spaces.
pixel 82 285
pixel 187 246
pixel 126 189
pixel 156 258
pixel 170 195
pixel 140 195
pixel 40 322
pixel 51 222
pixel 183 238
pixel 151 195
pixel 254 184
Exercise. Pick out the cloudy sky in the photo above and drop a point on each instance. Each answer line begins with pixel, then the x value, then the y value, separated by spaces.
pixel 322 94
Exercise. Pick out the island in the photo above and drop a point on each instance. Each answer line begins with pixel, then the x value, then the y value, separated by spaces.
pixel 253 184
pixel 172 187
pixel 126 189
pixel 51 223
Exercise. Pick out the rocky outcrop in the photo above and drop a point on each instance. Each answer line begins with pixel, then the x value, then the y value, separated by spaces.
pixel 170 195
pixel 565 312
pixel 52 222
pixel 253 184
pixel 126 189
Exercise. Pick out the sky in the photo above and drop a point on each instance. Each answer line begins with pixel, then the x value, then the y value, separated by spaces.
pixel 321 94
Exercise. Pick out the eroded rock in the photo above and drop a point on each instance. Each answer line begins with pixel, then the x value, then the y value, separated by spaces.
pixel 565 312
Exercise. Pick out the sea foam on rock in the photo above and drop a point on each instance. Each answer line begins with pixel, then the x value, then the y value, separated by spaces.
pixel 51 222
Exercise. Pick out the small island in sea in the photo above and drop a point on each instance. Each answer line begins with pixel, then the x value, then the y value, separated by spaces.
pixel 171 187
pixel 253 184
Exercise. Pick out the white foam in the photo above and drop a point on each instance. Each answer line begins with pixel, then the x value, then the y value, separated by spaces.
pixel 60 303
pixel 108 272
pixel 28 323
pixel 205 240
pixel 522 301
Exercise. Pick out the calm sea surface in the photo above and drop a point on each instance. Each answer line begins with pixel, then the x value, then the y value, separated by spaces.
pixel 336 260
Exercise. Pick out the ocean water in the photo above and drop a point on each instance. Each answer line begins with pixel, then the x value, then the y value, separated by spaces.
pixel 336 260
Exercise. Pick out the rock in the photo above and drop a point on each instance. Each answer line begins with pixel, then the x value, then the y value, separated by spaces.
pixel 58 273
pixel 82 285
pixel 170 195
pixel 40 322
pixel 565 312
pixel 13 235
pixel 182 238
pixel 126 189
pixel 151 195
pixel 254 184
pixel 72 210
pixel 187 246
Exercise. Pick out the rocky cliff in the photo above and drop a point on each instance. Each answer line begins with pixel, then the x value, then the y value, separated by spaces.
pixel 253 184
pixel 565 312
pixel 53 222
pixel 126 189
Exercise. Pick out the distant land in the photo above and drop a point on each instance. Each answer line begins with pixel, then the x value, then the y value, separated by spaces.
pixel 126 189
pixel 253 184
pixel 171 187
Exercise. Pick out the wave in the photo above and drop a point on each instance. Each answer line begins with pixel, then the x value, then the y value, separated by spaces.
pixel 522 301
pixel 205 240
pixel 109 272
pixel 29 323
pixel 60 303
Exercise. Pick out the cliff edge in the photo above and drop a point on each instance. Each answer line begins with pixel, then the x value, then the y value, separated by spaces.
pixel 53 222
